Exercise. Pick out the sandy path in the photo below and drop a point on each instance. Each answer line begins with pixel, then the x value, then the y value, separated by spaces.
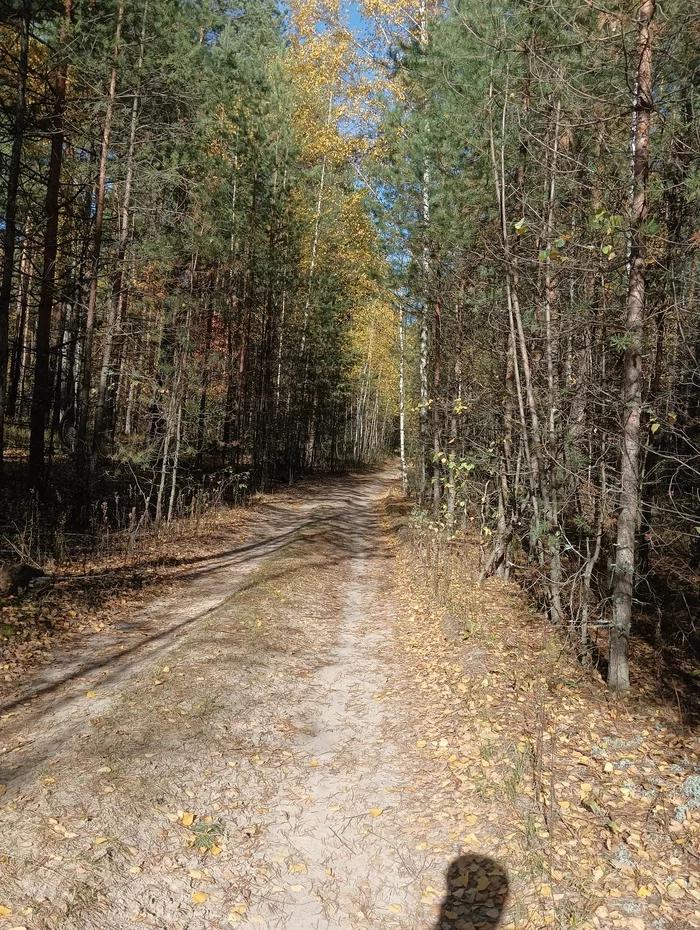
pixel 240 755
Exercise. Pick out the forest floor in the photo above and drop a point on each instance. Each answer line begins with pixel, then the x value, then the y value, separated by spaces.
pixel 298 735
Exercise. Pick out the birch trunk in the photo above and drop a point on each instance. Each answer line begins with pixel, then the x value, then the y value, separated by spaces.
pixel 402 404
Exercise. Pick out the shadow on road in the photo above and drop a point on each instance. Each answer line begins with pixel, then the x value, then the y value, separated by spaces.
pixel 337 528
pixel 476 894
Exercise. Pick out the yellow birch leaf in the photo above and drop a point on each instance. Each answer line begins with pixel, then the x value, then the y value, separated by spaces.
pixel 199 897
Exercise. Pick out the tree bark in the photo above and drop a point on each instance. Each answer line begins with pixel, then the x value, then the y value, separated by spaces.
pixel 10 237
pixel 120 275
pixel 402 404
pixel 21 329
pixel 95 250
pixel 41 398
pixel 623 583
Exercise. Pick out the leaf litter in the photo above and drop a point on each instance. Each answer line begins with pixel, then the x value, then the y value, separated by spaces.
pixel 491 756
pixel 589 800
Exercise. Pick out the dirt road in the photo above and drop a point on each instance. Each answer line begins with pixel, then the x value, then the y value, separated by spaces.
pixel 242 754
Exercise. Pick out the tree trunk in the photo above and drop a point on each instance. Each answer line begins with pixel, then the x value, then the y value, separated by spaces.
pixel 202 416
pixel 41 398
pixel 21 329
pixel 120 275
pixel 95 249
pixel 10 237
pixel 402 404
pixel 437 436
pixel 623 584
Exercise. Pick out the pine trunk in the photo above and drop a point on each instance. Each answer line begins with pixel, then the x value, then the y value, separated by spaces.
pixel 41 398
pixel 10 237
pixel 623 585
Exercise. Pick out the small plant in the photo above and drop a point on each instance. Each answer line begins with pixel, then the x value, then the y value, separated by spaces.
pixel 207 834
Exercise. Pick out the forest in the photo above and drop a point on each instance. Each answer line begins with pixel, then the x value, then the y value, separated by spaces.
pixel 243 244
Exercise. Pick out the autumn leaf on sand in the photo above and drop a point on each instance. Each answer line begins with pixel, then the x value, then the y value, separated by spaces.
pixel 199 897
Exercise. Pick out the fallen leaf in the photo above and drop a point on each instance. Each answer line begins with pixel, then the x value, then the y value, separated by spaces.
pixel 199 897
pixel 91 694
pixel 376 812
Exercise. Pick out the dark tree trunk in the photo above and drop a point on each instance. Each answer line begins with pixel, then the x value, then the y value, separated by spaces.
pixel 10 238
pixel 95 252
pixel 19 348
pixel 41 399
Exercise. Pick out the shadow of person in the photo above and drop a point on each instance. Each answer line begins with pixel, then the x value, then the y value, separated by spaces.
pixel 475 896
